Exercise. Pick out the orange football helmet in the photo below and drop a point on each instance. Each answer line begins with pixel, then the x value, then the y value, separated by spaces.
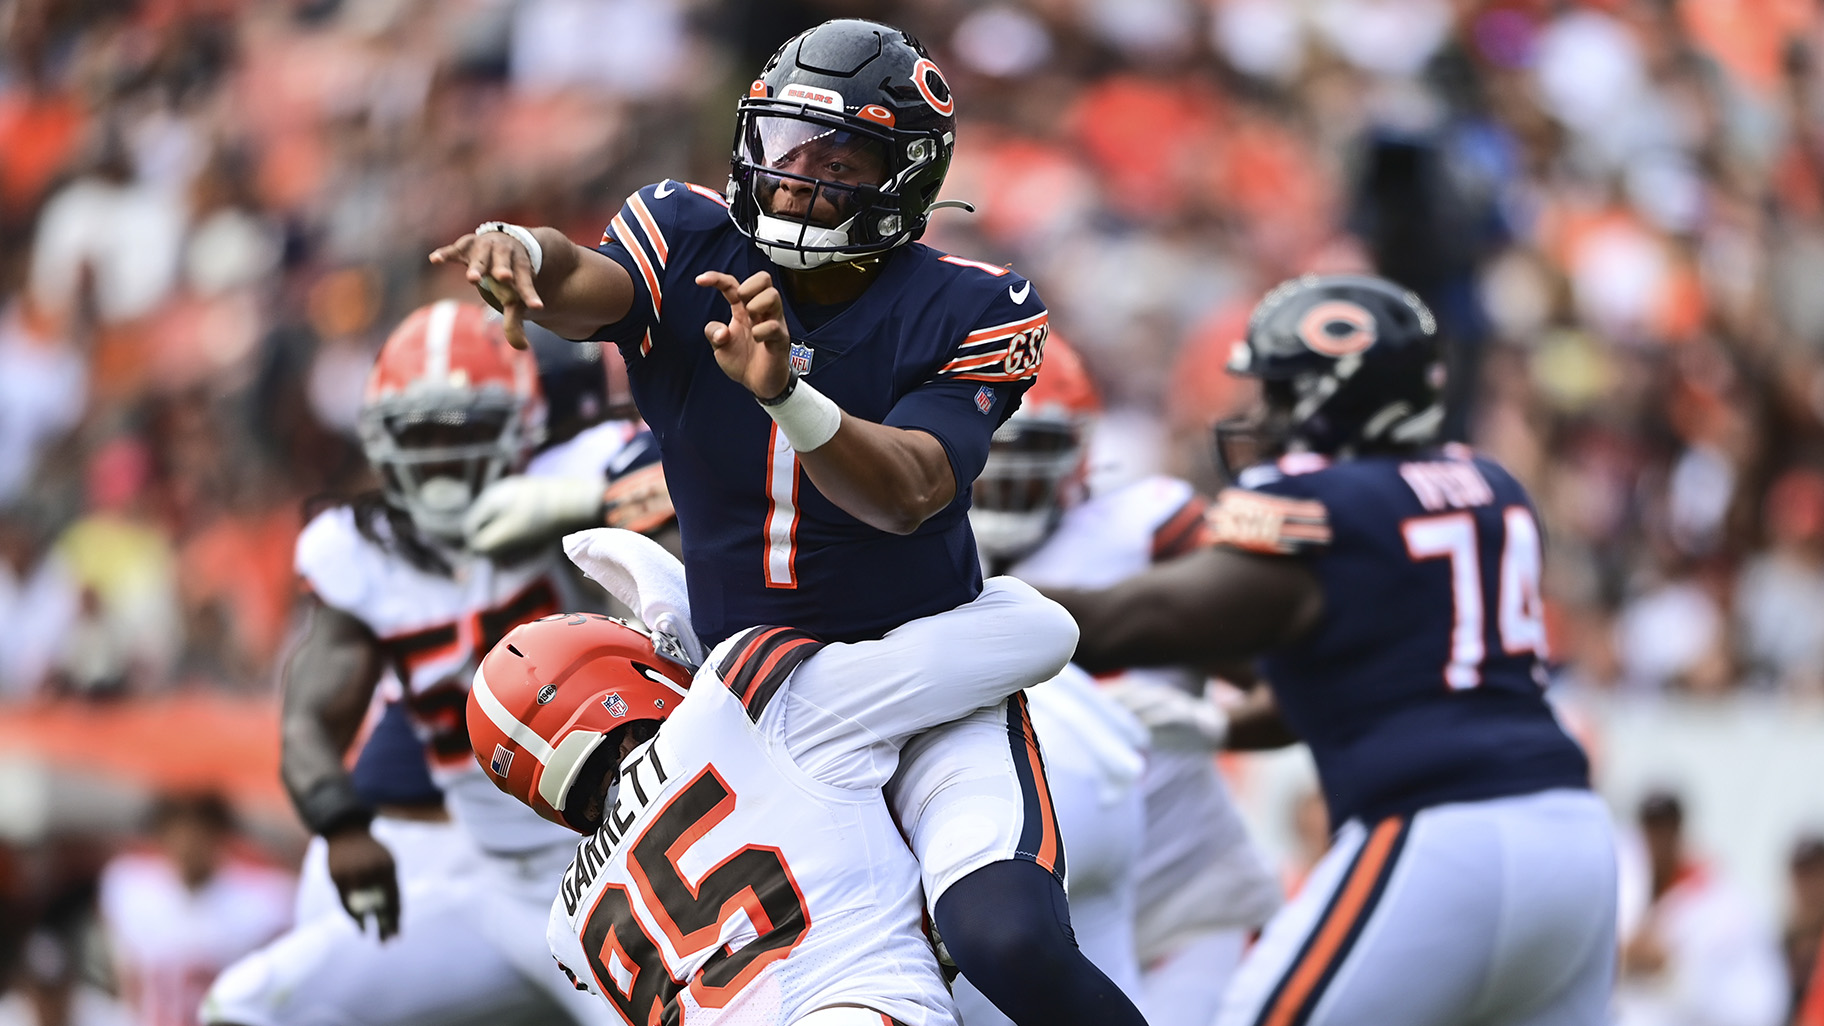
pixel 449 408
pixel 551 692
pixel 1035 458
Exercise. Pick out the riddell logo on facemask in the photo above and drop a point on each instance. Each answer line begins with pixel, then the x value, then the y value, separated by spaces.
pixel 827 98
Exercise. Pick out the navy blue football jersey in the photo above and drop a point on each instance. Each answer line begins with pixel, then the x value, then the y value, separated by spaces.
pixel 1423 681
pixel 937 343
pixel 391 769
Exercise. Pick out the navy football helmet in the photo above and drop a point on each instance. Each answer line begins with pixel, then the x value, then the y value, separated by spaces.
pixel 1348 364
pixel 841 145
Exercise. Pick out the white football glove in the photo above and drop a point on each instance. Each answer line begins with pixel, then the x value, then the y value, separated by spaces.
pixel 522 510
pixel 1176 720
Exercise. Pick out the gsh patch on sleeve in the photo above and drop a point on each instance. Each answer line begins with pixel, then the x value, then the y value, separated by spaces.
pixel 1256 522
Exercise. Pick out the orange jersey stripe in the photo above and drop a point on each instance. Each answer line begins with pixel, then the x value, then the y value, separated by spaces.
pixel 747 652
pixel 644 216
pixel 1050 842
pixel 976 362
pixel 772 661
pixel 1010 328
pixel 1336 926
pixel 950 258
pixel 996 378
pixel 627 238
pixel 706 193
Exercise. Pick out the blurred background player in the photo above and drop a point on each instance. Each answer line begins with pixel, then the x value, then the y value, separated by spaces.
pixel 451 413
pixel 181 912
pixel 843 514
pixel 1391 587
pixel 1191 882
pixel 1693 950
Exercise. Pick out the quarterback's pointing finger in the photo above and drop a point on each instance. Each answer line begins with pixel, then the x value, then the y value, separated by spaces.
pixel 453 251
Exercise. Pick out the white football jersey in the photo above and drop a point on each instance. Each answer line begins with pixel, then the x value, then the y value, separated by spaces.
pixel 748 868
pixel 1198 868
pixel 434 631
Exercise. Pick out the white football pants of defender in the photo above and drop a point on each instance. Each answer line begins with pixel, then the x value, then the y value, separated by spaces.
pixel 470 950
pixel 1093 761
pixel 1490 913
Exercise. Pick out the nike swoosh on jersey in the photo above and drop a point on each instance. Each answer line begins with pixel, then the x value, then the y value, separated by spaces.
pixel 1018 295
pixel 662 190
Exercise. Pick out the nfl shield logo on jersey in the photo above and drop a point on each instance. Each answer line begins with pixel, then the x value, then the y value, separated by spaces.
pixel 615 704
pixel 801 358
pixel 502 761
pixel 984 399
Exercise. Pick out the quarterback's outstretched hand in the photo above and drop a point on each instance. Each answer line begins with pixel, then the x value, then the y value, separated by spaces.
pixel 365 878
pixel 754 347
pixel 501 267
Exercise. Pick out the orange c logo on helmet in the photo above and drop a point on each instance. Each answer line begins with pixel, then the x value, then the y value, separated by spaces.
pixel 1337 327
pixel 875 112
pixel 758 89
pixel 932 87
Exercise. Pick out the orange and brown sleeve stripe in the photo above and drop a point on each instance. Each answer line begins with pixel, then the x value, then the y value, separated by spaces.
pixel 1337 930
pixel 1186 530
pixel 758 665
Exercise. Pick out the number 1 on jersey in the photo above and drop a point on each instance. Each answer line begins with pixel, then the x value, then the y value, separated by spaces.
pixel 781 513
pixel 1521 617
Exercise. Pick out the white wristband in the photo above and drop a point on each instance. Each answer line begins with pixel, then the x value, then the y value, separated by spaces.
pixel 521 235
pixel 807 417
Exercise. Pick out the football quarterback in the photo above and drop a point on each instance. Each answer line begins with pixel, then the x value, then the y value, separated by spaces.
pixel 823 389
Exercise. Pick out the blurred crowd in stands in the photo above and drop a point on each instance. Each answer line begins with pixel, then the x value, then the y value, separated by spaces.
pixel 216 208
pixel 213 211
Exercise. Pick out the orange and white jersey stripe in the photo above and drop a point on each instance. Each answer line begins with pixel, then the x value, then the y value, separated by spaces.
pixel 1012 351
pixel 1257 522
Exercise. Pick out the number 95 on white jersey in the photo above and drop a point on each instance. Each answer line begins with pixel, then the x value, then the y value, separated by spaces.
pixel 726 886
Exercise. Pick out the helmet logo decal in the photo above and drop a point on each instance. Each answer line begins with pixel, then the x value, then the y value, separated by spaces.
pixel 1337 327
pixel 502 761
pixel 546 694
pixel 828 99
pixel 758 89
pixel 875 112
pixel 615 704
pixel 932 87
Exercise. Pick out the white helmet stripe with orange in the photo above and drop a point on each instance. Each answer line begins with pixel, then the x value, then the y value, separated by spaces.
pixel 521 734
pixel 562 763
pixel 437 340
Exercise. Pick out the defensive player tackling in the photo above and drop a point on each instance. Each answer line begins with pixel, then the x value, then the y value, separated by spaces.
pixel 741 865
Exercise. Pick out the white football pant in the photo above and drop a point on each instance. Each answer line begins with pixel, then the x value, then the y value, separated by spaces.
pixel 1490 913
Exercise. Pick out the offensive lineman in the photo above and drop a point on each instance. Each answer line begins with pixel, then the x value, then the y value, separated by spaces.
pixel 742 866
pixel 1195 886
pixel 844 514
pixel 450 412
pixel 1392 587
